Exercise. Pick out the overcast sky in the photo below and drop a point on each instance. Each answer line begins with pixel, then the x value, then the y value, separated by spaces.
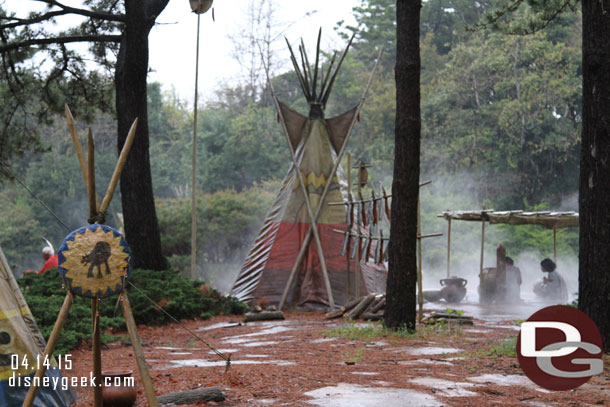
pixel 173 41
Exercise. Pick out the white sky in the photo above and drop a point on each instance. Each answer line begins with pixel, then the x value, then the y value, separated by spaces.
pixel 173 46
pixel 172 41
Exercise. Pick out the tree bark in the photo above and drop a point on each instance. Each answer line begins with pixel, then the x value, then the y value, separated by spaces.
pixel 400 310
pixel 594 256
pixel 141 225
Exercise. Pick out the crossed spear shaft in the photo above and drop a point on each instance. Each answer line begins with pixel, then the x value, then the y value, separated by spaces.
pixel 97 214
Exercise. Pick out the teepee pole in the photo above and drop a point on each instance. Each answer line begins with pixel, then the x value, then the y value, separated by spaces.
pixel 327 186
pixel 312 219
pixel 48 352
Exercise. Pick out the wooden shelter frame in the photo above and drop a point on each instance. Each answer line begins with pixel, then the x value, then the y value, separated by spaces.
pixel 97 215
pixel 548 219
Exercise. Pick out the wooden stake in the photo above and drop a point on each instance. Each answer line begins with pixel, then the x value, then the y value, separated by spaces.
pixel 357 271
pixel 91 175
pixel 79 150
pixel 350 207
pixel 420 291
pixel 448 247
pixel 48 351
pixel 555 244
pixel 500 274
pixel 96 350
pixel 482 242
pixel 138 352
pixel 119 166
pixel 77 144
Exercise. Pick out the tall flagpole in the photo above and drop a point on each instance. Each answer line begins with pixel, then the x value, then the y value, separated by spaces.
pixel 194 182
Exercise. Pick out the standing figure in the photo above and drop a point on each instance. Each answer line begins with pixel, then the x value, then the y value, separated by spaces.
pixel 513 281
pixel 50 259
pixel 553 287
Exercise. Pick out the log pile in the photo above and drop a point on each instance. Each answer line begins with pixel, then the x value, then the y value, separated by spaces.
pixel 369 307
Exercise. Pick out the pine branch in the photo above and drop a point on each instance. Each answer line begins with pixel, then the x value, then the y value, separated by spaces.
pixel 59 40
pixel 84 12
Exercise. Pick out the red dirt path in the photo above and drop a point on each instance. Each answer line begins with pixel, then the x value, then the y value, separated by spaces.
pixel 311 360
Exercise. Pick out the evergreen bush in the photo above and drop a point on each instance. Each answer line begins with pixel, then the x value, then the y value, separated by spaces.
pixel 180 297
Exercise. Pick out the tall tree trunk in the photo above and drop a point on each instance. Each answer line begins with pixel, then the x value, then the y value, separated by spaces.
pixel 594 256
pixel 141 226
pixel 400 308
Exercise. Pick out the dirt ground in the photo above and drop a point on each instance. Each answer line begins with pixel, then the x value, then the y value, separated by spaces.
pixel 275 363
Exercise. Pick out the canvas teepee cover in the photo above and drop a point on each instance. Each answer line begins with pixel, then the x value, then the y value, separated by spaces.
pixel 19 335
pixel 318 144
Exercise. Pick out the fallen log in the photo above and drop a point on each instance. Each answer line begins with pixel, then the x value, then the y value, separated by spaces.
pixel 334 314
pixel 263 316
pixel 449 316
pixel 378 306
pixel 375 301
pixel 350 305
pixel 359 309
pixel 343 309
pixel 213 393
pixel 369 316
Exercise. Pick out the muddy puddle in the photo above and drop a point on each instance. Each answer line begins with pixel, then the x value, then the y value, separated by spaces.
pixel 208 363
pixel 491 312
pixel 507 380
pixel 350 395
pixel 429 350
pixel 445 387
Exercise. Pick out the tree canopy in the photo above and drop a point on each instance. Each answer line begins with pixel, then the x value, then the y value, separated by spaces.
pixel 117 36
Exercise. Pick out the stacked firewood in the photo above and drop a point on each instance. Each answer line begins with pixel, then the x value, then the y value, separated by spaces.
pixel 369 307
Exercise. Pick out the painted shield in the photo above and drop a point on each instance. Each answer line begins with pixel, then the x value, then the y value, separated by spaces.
pixel 95 261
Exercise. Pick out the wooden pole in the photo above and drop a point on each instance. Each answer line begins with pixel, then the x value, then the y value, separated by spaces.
pixel 357 271
pixel 194 181
pixel 91 175
pixel 482 242
pixel 119 166
pixel 448 247
pixel 420 290
pixel 80 155
pixel 48 351
pixel 313 227
pixel 555 243
pixel 138 352
pixel 79 150
pixel 96 350
pixel 350 207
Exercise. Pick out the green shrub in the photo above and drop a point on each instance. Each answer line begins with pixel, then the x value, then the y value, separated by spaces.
pixel 180 297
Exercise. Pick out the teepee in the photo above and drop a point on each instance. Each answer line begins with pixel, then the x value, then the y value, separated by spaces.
pixel 19 339
pixel 296 258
